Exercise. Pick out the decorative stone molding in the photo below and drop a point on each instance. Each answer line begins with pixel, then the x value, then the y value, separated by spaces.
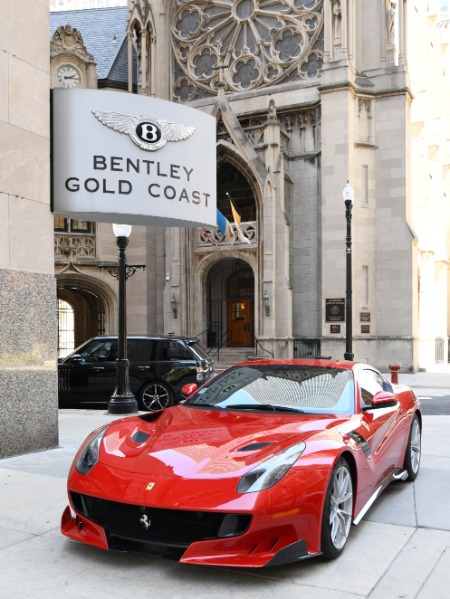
pixel 75 246
pixel 68 39
pixel 244 45
pixel 211 237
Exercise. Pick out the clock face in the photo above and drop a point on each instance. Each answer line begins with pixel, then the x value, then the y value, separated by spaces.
pixel 67 75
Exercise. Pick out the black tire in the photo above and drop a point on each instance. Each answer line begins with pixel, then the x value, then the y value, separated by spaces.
pixel 155 396
pixel 337 512
pixel 413 450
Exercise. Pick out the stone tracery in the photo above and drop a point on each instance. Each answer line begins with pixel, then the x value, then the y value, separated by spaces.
pixel 262 42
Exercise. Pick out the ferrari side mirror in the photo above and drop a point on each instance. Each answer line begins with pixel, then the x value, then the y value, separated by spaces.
pixel 383 399
pixel 189 389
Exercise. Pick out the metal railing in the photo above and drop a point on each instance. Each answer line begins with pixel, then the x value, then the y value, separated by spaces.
pixel 224 339
pixel 258 344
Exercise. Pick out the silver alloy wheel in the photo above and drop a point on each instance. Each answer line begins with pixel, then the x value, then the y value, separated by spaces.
pixel 341 506
pixel 415 445
pixel 156 397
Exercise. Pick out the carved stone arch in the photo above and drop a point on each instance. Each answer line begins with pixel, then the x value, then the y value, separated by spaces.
pixel 90 283
pixel 227 152
pixel 207 262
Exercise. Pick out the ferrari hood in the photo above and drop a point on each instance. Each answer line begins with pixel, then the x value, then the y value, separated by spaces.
pixel 191 443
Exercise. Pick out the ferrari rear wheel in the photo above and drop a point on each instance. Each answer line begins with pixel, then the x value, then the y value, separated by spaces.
pixel 338 511
pixel 413 450
pixel 155 396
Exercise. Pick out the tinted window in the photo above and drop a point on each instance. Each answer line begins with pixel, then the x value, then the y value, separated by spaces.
pixel 141 350
pixel 198 350
pixel 178 351
pixel 312 390
pixel 170 350
pixel 99 350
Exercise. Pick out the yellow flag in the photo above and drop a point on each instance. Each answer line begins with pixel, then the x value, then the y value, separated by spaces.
pixel 236 217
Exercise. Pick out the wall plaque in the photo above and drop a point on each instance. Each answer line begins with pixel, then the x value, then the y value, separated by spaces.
pixel 364 316
pixel 335 329
pixel 365 328
pixel 335 309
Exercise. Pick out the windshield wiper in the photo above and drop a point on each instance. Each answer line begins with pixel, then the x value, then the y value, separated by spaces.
pixel 263 407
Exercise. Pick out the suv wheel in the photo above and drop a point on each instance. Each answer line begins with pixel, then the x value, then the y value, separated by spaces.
pixel 155 396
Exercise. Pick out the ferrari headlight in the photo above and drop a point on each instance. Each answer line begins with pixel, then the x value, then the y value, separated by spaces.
pixel 271 471
pixel 89 454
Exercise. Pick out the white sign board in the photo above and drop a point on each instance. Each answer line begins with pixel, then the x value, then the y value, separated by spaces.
pixel 120 157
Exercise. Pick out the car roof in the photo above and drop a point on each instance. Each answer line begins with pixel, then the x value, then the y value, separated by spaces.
pixel 149 337
pixel 324 363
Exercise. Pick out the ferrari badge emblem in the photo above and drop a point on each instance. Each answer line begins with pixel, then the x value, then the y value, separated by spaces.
pixel 146 132
pixel 150 486
pixel 146 523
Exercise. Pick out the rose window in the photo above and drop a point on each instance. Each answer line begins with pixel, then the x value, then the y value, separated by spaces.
pixel 245 44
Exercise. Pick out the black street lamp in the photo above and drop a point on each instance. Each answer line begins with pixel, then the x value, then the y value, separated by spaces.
pixel 122 400
pixel 348 200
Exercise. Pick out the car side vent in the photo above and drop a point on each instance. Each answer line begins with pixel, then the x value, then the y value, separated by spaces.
pixel 254 446
pixel 140 437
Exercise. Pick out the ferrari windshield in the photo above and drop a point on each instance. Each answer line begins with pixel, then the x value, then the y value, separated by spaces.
pixel 306 389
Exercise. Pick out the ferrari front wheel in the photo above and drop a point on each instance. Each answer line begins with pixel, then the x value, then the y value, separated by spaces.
pixel 413 449
pixel 338 511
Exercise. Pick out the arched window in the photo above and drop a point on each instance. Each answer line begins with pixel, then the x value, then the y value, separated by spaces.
pixel 66 328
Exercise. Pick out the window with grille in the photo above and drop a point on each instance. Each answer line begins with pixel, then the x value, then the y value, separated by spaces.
pixel 68 225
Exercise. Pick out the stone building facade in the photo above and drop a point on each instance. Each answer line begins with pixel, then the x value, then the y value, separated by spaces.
pixel 307 96
pixel 28 380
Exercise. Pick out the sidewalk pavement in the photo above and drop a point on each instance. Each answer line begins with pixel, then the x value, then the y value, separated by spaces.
pixel 437 378
pixel 401 549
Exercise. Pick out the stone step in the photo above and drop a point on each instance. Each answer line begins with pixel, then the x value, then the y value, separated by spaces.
pixel 230 355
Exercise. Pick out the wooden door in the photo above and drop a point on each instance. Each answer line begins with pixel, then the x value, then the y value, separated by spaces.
pixel 240 323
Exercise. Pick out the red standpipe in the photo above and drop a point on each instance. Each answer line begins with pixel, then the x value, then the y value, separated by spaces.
pixel 394 368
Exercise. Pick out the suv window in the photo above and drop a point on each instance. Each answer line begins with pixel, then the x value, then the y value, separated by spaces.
pixel 141 350
pixel 198 350
pixel 171 350
pixel 100 351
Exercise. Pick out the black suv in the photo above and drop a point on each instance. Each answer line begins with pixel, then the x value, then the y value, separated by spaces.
pixel 159 367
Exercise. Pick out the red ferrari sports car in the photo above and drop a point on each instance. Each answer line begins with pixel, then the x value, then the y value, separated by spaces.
pixel 269 462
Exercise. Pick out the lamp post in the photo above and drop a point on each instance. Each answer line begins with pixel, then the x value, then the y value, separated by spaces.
pixel 348 196
pixel 122 400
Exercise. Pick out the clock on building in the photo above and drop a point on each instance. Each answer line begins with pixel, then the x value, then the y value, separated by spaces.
pixel 68 75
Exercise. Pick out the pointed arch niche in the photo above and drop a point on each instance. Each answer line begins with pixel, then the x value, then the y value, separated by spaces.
pixel 141 50
pixel 232 184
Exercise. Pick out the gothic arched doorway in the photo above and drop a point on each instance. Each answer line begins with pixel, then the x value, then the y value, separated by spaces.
pixel 81 315
pixel 230 300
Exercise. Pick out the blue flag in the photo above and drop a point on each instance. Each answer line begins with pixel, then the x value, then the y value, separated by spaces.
pixel 221 222
pixel 224 226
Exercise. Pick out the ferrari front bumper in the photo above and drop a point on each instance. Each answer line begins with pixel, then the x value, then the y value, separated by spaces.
pixel 265 547
pixel 199 522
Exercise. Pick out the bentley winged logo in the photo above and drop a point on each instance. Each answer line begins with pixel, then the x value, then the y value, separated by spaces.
pixel 146 132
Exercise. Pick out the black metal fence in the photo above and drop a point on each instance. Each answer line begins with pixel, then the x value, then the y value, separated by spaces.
pixel 307 348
